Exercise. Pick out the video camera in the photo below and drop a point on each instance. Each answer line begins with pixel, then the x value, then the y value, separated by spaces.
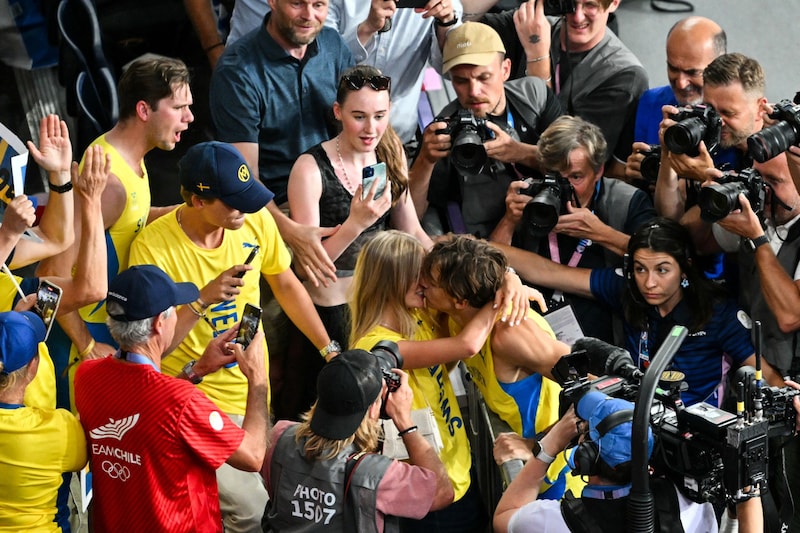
pixel 717 200
pixel 708 453
pixel 776 139
pixel 550 196
pixel 694 124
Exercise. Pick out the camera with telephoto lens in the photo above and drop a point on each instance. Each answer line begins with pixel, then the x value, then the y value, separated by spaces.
pixel 550 196
pixel 557 8
pixel 388 355
pixel 719 199
pixel 467 135
pixel 694 124
pixel 708 453
pixel 651 163
pixel 776 139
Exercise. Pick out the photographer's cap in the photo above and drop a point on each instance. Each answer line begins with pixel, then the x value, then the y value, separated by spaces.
pixel 346 387
pixel 612 434
pixel 144 291
pixel 20 335
pixel 472 43
pixel 218 170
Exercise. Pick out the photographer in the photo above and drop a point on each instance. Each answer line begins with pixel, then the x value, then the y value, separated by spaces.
pixel 604 455
pixel 692 43
pixel 324 469
pixel 734 87
pixel 486 138
pixel 594 222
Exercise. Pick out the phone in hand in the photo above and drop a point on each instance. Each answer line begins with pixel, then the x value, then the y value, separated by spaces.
pixel 248 325
pixel 368 177
pixel 253 254
pixel 411 3
pixel 47 299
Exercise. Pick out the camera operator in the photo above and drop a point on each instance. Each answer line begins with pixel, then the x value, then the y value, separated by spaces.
pixel 692 43
pixel 594 226
pixel 504 118
pixel 323 471
pixel 604 455
pixel 734 87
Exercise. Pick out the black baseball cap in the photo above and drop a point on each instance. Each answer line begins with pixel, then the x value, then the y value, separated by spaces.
pixel 346 387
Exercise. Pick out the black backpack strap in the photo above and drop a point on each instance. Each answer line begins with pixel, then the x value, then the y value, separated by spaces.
pixel 668 511
pixel 575 516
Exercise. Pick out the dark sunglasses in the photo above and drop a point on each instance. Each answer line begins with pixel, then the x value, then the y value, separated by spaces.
pixel 357 81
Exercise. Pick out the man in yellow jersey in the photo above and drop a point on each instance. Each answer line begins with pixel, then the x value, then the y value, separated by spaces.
pixel 512 370
pixel 154 100
pixel 206 241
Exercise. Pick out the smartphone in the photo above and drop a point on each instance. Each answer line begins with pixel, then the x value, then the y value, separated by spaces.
pixel 368 177
pixel 253 253
pixel 411 3
pixel 47 299
pixel 248 325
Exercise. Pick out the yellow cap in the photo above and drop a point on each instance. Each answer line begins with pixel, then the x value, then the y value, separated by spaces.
pixel 472 43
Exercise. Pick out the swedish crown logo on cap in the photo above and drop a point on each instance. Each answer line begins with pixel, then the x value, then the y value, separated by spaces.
pixel 244 173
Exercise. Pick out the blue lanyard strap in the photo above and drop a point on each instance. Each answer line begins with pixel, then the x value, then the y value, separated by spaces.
pixel 137 358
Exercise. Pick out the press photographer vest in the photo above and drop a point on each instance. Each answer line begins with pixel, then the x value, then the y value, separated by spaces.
pixel 780 349
pixel 483 195
pixel 309 496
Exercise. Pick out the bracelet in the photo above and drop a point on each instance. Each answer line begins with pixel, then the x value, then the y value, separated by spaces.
pixel 207 50
pixel 510 270
pixel 407 431
pixel 197 313
pixel 201 303
pixel 549 79
pixel 86 351
pixel 60 189
pixel 537 59
pixel 446 24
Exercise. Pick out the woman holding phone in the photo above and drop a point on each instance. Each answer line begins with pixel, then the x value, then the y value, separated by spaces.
pixel 326 188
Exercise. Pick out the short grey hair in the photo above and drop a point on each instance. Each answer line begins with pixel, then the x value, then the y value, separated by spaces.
pixel 566 134
pixel 128 333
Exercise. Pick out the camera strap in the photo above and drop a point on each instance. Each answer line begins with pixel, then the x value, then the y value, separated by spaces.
pixel 555 255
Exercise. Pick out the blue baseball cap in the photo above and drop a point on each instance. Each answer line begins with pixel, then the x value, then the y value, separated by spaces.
pixel 144 291
pixel 20 335
pixel 218 170
pixel 615 443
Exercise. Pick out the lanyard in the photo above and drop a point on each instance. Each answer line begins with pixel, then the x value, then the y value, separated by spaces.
pixel 137 358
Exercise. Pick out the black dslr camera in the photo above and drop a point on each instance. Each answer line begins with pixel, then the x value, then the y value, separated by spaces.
pixel 694 124
pixel 557 8
pixel 651 164
pixel 467 133
pixel 718 200
pixel 776 139
pixel 550 196
pixel 388 355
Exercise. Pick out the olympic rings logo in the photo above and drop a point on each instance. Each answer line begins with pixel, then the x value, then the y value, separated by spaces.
pixel 116 471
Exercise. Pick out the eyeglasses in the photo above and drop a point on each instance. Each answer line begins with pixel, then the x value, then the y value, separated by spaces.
pixel 589 8
pixel 357 81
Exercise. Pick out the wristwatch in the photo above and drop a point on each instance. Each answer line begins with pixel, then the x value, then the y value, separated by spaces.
pixel 333 346
pixel 540 454
pixel 754 244
pixel 191 375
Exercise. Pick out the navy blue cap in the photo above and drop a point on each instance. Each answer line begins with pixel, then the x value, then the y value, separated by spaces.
pixel 144 291
pixel 218 170
pixel 20 335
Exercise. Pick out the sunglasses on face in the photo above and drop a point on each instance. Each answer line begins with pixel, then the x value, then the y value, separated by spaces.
pixel 357 81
